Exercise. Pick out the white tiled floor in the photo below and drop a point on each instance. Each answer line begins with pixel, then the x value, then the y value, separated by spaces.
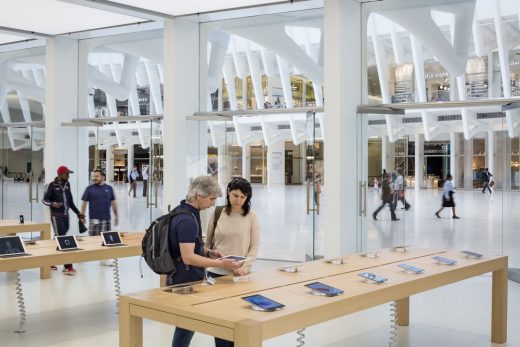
pixel 80 311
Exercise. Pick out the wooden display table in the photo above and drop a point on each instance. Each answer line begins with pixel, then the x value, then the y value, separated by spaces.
pixel 11 227
pixel 44 254
pixel 219 310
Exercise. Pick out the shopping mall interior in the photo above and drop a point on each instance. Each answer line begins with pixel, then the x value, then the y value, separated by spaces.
pixel 311 101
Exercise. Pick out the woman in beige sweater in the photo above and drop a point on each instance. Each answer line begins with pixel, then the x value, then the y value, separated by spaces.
pixel 237 230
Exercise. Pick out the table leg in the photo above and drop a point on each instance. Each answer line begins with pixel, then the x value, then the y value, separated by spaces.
pixel 248 333
pixel 45 273
pixel 162 281
pixel 130 327
pixel 45 234
pixel 403 312
pixel 499 306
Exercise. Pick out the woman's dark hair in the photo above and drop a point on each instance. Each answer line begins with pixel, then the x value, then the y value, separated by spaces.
pixel 245 187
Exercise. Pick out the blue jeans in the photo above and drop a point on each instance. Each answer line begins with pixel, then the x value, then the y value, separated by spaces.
pixel 182 337
pixel 223 343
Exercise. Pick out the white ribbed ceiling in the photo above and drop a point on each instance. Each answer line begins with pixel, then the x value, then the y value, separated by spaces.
pixel 184 7
pixel 55 17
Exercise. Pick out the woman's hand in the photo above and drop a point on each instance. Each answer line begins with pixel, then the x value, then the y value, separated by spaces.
pixel 240 272
pixel 230 264
pixel 214 254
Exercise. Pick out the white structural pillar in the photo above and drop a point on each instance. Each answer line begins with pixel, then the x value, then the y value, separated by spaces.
pixel 181 99
pixel 490 151
pixel 109 168
pixel 454 170
pixel 276 163
pixel 468 164
pixel 224 165
pixel 130 157
pixel 64 145
pixel 384 149
pixel 246 162
pixel 419 161
pixel 343 92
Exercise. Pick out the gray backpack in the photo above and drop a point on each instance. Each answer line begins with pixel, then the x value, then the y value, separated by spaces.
pixel 156 243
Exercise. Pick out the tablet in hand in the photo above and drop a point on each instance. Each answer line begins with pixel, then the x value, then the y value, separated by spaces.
pixel 235 258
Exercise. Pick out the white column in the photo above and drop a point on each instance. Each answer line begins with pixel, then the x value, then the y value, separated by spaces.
pixel 490 151
pixel 468 164
pixel 181 98
pixel 276 163
pixel 343 92
pixel 492 93
pixel 64 145
pixel 454 170
pixel 384 149
pixel 109 164
pixel 246 162
pixel 419 161
pixel 130 157
pixel 224 165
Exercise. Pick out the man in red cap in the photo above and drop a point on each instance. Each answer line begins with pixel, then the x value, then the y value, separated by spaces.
pixel 59 198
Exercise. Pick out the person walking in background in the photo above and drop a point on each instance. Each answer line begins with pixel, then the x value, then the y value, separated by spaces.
pixel 145 180
pixel 133 175
pixel 399 190
pixel 386 197
pixel 376 184
pixel 487 179
pixel 59 198
pixel 100 198
pixel 448 190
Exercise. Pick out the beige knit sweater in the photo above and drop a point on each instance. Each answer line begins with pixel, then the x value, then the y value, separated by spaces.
pixel 234 235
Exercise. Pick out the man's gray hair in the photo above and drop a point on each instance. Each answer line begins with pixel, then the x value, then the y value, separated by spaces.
pixel 203 186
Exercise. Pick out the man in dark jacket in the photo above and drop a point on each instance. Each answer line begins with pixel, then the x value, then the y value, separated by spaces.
pixel 386 197
pixel 487 179
pixel 59 198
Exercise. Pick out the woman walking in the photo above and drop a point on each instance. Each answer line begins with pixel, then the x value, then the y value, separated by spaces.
pixel 447 196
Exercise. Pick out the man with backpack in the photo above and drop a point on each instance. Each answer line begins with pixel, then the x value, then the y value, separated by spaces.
pixel 182 231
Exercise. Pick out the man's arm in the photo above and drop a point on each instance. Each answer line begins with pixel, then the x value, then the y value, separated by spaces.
pixel 116 211
pixel 190 258
pixel 47 199
pixel 83 207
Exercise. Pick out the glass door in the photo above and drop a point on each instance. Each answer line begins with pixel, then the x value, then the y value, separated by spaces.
pixel 384 195
pixel 314 187
pixel 152 173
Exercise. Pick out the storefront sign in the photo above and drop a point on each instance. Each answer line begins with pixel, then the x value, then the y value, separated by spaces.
pixel 436 149
pixel 437 75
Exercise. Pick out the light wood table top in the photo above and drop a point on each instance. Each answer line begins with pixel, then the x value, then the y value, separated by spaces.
pixel 270 279
pixel 11 226
pixel 219 310
pixel 44 253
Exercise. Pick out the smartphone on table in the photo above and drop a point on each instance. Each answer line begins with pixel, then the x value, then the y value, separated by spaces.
pixel 373 277
pixel 324 289
pixel 263 303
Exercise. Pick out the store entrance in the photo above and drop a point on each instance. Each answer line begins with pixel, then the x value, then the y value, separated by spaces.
pixel 437 167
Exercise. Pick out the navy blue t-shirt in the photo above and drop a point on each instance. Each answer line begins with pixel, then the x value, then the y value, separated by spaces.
pixel 185 228
pixel 99 200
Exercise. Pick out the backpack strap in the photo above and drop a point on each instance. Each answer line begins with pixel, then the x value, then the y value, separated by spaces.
pixel 216 216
